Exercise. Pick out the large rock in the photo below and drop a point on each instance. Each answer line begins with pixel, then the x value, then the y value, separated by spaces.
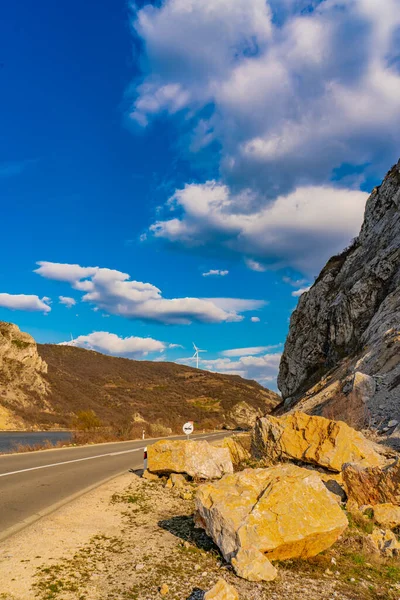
pixel 372 485
pixel 196 459
pixel 349 320
pixel 238 447
pixel 277 513
pixel 311 439
pixel 222 591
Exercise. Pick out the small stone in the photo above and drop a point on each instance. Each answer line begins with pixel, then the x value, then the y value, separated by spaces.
pixel 352 579
pixel 333 560
pixel 197 567
pixel 164 589
pixel 150 476
pixel 186 545
pixel 393 423
pixel 139 567
pixel 253 565
pixel 222 591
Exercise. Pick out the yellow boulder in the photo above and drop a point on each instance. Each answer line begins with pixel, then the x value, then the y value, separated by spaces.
pixel 387 515
pixel 236 446
pixel 196 459
pixel 282 512
pixel 312 439
pixel 222 591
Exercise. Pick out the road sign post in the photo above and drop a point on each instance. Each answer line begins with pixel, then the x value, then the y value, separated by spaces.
pixel 188 429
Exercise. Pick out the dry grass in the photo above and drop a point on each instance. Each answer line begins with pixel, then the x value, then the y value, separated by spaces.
pixel 117 389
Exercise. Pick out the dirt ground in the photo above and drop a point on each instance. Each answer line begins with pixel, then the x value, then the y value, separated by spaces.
pixel 130 536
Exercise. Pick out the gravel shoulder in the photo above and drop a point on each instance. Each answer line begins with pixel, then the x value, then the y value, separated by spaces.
pixel 130 536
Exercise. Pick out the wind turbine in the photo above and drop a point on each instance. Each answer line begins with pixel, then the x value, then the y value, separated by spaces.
pixel 196 354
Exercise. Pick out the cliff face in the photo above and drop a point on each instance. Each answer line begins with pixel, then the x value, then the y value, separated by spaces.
pixel 349 321
pixel 21 375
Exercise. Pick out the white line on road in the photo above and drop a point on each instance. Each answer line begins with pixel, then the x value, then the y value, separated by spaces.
pixel 67 462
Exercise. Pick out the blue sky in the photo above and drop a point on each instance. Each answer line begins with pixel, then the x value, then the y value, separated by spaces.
pixel 157 142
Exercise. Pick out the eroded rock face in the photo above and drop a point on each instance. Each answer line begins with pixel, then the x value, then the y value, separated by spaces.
pixel 349 319
pixel 372 485
pixel 312 439
pixel 196 459
pixel 278 513
pixel 243 416
pixel 21 370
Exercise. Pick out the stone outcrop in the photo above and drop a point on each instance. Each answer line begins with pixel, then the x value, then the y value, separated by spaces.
pixel 196 459
pixel 243 416
pixel 312 439
pixel 349 321
pixel 372 485
pixel 21 374
pixel 277 513
pixel 222 591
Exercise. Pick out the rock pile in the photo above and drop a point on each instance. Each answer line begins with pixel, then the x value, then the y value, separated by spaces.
pixel 259 515
pixel 310 439
pixel 292 506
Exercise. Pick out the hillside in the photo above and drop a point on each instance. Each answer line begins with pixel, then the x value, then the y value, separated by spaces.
pixel 44 386
pixel 119 388
pixel 342 354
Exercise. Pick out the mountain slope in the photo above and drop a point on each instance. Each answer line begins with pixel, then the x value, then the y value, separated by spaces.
pixel 117 389
pixel 348 323
pixel 45 386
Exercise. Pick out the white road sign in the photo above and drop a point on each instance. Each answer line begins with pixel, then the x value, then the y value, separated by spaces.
pixel 188 428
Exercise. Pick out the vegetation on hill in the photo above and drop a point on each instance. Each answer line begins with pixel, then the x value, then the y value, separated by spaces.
pixel 122 392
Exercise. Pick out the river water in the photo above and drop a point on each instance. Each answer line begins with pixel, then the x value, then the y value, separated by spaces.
pixel 9 440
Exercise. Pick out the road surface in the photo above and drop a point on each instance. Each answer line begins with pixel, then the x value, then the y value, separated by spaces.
pixel 36 483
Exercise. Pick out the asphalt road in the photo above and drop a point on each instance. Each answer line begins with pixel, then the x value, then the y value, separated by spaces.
pixel 36 483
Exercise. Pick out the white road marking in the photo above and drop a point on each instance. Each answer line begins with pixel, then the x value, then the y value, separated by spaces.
pixel 67 462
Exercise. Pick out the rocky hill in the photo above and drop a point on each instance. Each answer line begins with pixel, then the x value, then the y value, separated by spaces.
pixel 22 376
pixel 342 354
pixel 47 385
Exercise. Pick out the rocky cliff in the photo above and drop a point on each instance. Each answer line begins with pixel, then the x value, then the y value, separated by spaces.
pixel 22 370
pixel 343 347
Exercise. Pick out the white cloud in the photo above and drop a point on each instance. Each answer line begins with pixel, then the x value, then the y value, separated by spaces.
pixel 216 273
pixel 67 301
pixel 25 302
pixel 283 104
pixel 286 231
pixel 253 265
pixel 297 293
pixel 254 350
pixel 115 293
pixel 262 368
pixel 110 343
pixel 294 282
pixel 255 319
